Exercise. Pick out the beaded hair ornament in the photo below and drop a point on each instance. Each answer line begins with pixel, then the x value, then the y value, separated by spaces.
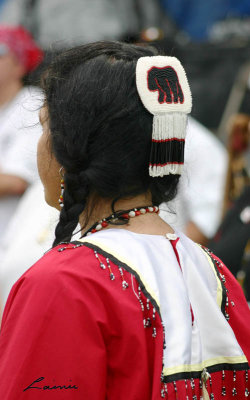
pixel 164 91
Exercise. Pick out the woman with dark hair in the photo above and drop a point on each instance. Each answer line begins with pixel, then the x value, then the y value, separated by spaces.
pixel 132 310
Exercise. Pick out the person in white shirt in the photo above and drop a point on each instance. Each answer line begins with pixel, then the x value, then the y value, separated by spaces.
pixel 63 23
pixel 197 208
pixel 34 223
pixel 19 127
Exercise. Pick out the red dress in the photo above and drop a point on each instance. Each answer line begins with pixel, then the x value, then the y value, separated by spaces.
pixel 82 324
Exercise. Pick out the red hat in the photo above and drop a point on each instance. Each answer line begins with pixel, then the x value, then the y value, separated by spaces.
pixel 19 41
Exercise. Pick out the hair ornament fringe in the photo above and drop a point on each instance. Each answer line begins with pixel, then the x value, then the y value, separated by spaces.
pixel 164 91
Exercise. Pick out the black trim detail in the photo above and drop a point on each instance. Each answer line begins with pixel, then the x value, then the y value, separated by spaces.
pixel 213 368
pixel 123 265
pixel 224 290
pixel 167 152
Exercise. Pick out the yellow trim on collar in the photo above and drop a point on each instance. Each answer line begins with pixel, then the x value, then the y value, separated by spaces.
pixel 204 364
pixel 219 284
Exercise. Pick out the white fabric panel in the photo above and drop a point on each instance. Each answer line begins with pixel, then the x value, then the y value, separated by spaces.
pixel 210 338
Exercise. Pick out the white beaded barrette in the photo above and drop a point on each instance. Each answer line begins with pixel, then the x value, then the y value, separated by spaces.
pixel 164 91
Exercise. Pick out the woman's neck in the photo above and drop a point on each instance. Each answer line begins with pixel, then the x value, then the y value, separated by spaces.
pixel 149 223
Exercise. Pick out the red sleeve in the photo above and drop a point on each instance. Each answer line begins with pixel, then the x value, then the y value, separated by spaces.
pixel 237 308
pixel 52 333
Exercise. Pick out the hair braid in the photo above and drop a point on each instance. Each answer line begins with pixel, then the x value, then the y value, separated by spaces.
pixel 74 199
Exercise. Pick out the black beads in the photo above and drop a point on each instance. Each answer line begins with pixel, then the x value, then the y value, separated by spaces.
pixel 223 388
pixel 102 265
pixel 124 282
pixel 246 379
pixel 211 394
pixel 223 279
pixel 61 249
pixel 140 300
pixel 154 332
pixel 175 389
pixel 112 276
pixel 124 285
pixel 106 265
pixel 227 316
pixel 234 391
pixel 147 322
pixel 194 397
pixel 70 246
pixel 186 387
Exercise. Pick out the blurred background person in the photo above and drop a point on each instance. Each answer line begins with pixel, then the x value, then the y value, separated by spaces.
pixel 2 3
pixel 238 173
pixel 199 202
pixel 232 241
pixel 203 20
pixel 19 129
pixel 33 227
pixel 81 21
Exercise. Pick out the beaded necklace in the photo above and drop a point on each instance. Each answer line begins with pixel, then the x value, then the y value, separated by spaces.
pixel 123 216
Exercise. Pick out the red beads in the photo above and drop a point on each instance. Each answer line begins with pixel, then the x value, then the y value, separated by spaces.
pixel 127 215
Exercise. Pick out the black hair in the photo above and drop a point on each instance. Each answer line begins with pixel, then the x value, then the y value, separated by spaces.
pixel 100 131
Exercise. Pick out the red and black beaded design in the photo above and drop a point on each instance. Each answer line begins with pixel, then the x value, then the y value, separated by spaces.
pixel 120 217
pixel 169 151
pixel 60 200
pixel 165 80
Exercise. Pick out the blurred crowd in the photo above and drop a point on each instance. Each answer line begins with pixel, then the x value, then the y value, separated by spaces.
pixel 76 21
pixel 213 203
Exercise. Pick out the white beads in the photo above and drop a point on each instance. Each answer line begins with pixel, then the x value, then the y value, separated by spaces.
pixel 126 215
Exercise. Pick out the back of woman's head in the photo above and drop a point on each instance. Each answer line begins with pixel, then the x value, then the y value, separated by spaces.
pixel 100 131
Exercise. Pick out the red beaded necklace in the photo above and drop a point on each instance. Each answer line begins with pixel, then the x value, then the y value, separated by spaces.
pixel 122 216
